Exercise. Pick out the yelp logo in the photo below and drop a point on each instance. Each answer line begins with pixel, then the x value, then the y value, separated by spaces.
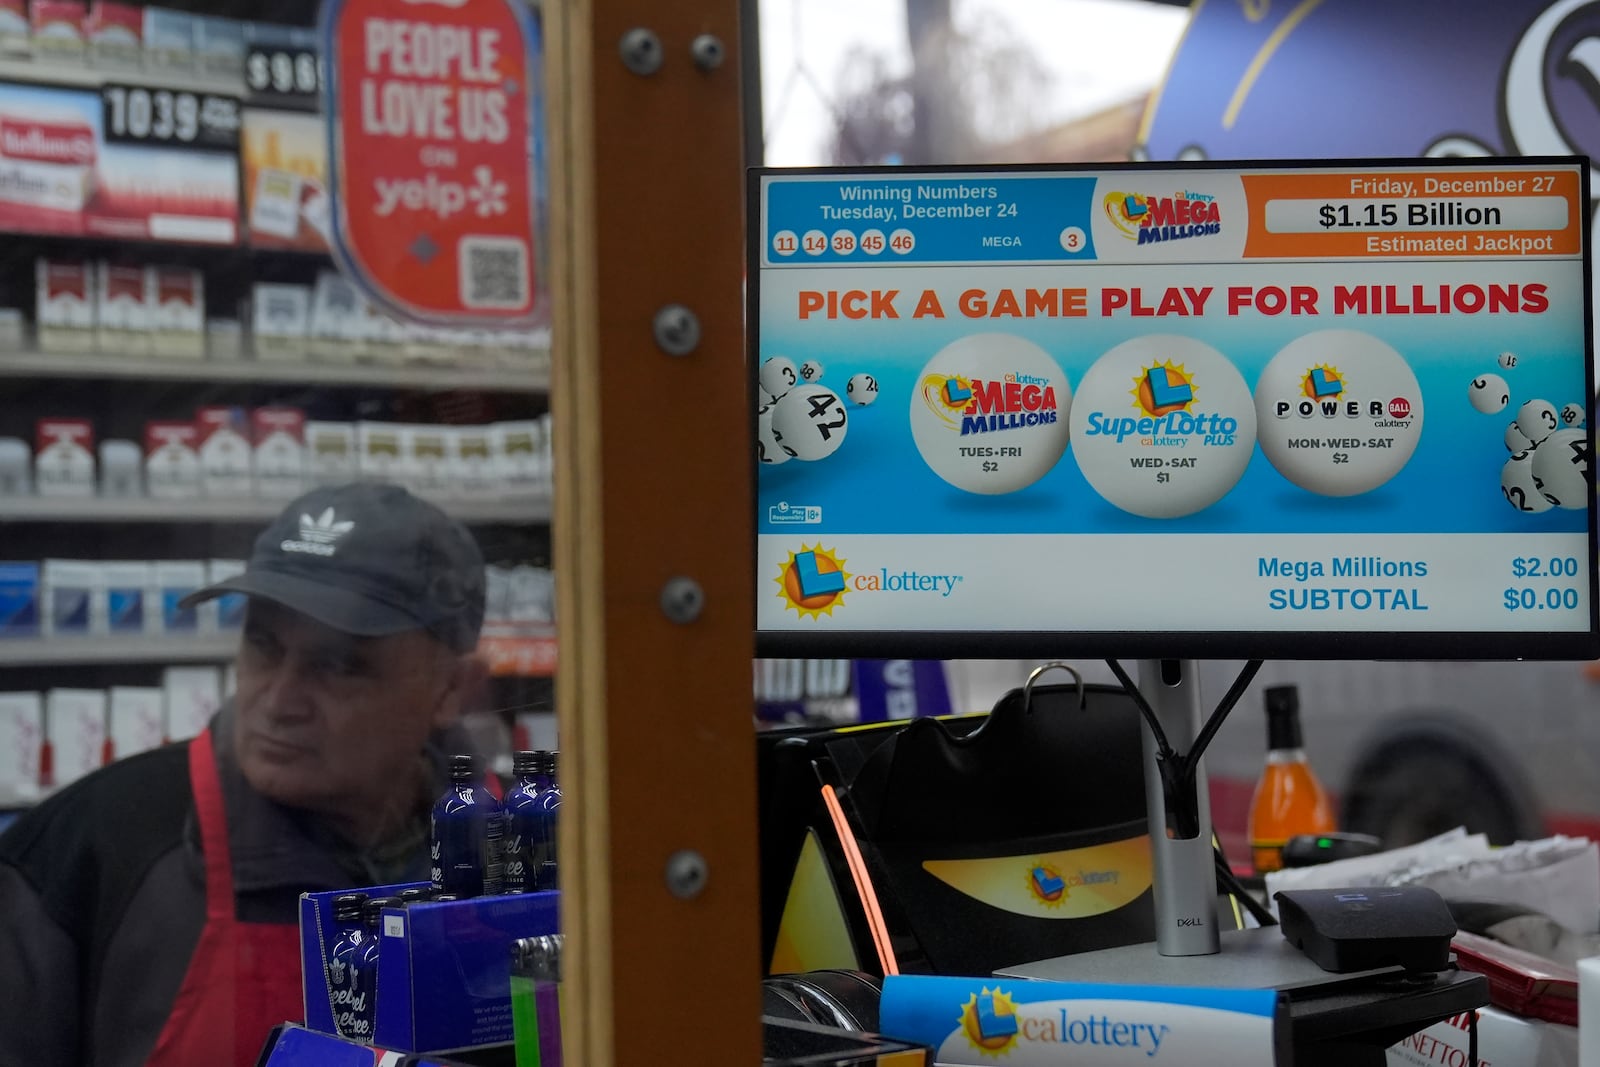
pixel 442 198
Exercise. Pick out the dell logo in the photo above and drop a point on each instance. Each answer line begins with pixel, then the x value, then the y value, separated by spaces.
pixel 1191 922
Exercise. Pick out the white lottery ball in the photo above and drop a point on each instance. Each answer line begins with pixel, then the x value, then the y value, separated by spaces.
pixel 1516 440
pixel 1517 483
pixel 1537 419
pixel 779 375
pixel 862 388
pixel 811 371
pixel 767 447
pixel 810 422
pixel 1508 360
pixel 1488 393
pixel 1573 416
pixel 1561 468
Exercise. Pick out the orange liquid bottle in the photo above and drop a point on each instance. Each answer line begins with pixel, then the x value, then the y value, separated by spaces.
pixel 1288 799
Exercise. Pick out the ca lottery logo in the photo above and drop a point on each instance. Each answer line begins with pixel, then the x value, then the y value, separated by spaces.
pixel 1184 440
pixel 989 413
pixel 1340 412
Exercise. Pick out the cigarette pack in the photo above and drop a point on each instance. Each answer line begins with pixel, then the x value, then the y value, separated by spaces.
pixel 279 434
pixel 127 585
pixel 225 452
pixel 57 30
pixel 219 46
pixel 225 614
pixel 172 460
pixel 193 696
pixel 331 452
pixel 64 301
pixel 75 725
pixel 63 459
pixel 176 297
pixel 21 745
pixel 16 463
pixel 138 719
pixel 336 318
pixel 171 581
pixel 19 600
pixel 74 598
pixel 279 319
pixel 120 464
pixel 16 36
pixel 519 445
pixel 116 34
pixel 169 39
pixel 381 453
pixel 428 461
pixel 122 317
pixel 475 467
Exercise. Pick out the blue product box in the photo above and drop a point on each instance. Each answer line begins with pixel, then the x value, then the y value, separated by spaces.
pixel 127 584
pixel 19 600
pixel 444 970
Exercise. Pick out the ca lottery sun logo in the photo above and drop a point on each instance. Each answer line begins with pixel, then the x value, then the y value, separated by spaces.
pixel 1147 219
pixel 989 413
pixel 1184 440
pixel 1340 412
pixel 989 1019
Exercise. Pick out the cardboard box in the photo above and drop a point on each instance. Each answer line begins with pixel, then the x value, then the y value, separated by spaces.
pixel 63 459
pixel 194 694
pixel 74 598
pixel 444 970
pixel 21 745
pixel 138 719
pixel 20 596
pixel 122 313
pixel 116 34
pixel 16 467
pixel 172 460
pixel 127 585
pixel 380 452
pixel 169 39
pixel 121 469
pixel 226 456
pixel 75 727
pixel 57 30
pixel 331 453
pixel 279 318
pixel 170 581
pixel 225 614
pixel 176 297
pixel 64 300
pixel 279 459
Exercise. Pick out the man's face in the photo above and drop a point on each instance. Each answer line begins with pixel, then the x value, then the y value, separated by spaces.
pixel 334 723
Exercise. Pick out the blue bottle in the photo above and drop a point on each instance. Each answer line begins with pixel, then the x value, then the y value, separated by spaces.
pixel 542 843
pixel 523 813
pixel 467 830
pixel 366 965
pixel 346 996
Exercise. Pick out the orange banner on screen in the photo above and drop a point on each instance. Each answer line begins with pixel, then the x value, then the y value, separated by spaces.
pixel 1384 214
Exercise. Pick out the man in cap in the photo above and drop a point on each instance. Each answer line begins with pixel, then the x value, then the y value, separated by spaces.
pixel 147 912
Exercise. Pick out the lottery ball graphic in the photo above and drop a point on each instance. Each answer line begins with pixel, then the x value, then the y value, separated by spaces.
pixel 811 371
pixel 810 422
pixel 1516 440
pixel 1508 360
pixel 779 375
pixel 1573 416
pixel 1537 419
pixel 1519 487
pixel 1340 412
pixel 1163 426
pixel 768 449
pixel 862 388
pixel 989 413
pixel 1561 468
pixel 1488 393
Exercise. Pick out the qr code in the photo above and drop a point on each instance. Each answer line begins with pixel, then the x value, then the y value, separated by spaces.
pixel 494 272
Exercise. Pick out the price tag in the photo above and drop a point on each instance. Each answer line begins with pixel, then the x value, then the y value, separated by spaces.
pixel 177 118
pixel 286 77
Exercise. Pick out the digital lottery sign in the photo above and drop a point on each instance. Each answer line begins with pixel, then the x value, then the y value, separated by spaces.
pixel 1328 410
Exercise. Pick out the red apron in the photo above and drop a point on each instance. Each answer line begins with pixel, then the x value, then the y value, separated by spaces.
pixel 244 978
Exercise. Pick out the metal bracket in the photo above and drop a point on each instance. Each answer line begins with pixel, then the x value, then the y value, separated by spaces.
pixel 677 330
pixel 641 51
pixel 682 600
pixel 686 874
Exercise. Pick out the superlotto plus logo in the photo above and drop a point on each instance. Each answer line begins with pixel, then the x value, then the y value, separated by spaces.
pixel 1166 398
pixel 1147 219
pixel 1013 401
pixel 813 581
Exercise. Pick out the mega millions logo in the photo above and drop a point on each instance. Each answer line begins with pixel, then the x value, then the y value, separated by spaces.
pixel 1147 219
pixel 1162 388
pixel 812 581
pixel 989 1019
pixel 1013 401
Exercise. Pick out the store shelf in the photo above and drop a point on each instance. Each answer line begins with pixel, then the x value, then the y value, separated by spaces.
pixel 90 75
pixel 534 378
pixel 510 509
pixel 527 651
pixel 71 651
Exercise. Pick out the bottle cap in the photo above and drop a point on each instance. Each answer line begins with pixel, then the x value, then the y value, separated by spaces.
pixel 551 759
pixel 347 907
pixel 461 768
pixel 372 910
pixel 444 897
pixel 528 762
pixel 412 896
pixel 1283 718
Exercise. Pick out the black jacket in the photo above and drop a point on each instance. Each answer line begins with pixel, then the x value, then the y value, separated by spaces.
pixel 102 899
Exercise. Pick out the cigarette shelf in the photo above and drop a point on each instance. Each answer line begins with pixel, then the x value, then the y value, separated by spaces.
pixel 533 378
pixel 91 75
pixel 507 509
pixel 76 650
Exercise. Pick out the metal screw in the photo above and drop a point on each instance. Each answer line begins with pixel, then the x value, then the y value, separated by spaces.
pixel 682 600
pixel 686 874
pixel 641 51
pixel 677 330
pixel 707 51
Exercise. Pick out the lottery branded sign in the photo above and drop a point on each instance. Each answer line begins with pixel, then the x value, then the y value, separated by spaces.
pixel 1175 401
pixel 432 155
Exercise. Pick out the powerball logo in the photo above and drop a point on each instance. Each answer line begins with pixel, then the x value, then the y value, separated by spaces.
pixel 1150 219
pixel 813 581
pixel 976 405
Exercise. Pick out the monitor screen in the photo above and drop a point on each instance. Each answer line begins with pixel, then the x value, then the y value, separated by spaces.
pixel 1323 410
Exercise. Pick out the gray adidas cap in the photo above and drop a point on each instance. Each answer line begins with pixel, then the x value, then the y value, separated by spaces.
pixel 370 560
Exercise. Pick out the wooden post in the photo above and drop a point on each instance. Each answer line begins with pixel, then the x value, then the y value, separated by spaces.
pixel 653 483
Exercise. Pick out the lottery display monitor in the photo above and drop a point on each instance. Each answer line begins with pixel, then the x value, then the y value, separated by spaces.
pixel 1335 409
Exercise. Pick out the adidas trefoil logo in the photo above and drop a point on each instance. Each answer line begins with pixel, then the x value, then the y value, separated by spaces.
pixel 318 536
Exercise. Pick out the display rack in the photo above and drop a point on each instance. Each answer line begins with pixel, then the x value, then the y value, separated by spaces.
pixel 509 509
pixel 74 651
